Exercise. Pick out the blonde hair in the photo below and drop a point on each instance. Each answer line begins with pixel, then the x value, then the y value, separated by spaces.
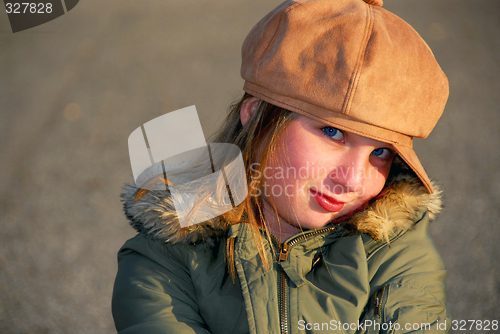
pixel 258 141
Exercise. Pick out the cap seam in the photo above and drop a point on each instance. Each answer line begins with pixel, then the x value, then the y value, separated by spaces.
pixel 353 82
pixel 347 127
pixel 271 41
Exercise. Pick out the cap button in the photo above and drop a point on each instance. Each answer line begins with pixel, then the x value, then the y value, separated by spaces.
pixel 377 3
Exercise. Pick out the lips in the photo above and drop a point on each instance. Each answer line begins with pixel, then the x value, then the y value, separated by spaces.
pixel 327 203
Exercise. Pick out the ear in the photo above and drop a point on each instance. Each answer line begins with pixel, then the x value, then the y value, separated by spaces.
pixel 248 109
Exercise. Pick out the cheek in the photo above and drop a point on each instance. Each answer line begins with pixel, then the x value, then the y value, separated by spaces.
pixel 374 184
pixel 300 151
pixel 289 168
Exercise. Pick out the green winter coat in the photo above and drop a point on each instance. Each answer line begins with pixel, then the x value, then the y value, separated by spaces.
pixel 379 272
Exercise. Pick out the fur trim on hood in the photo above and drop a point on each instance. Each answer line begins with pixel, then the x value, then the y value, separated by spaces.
pixel 404 200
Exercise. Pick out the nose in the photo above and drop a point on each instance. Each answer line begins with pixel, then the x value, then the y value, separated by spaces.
pixel 351 170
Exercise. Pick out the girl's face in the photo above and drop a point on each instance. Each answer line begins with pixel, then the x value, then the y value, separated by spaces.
pixel 319 173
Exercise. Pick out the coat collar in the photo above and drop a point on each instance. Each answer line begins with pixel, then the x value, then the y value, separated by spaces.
pixel 401 205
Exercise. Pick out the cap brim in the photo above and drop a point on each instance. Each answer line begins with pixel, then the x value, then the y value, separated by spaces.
pixel 411 159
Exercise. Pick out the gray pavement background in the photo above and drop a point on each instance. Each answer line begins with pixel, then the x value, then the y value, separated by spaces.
pixel 72 90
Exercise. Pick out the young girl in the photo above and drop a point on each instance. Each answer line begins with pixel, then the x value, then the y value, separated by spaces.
pixel 333 235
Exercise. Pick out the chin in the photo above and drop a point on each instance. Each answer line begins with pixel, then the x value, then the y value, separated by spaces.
pixel 309 223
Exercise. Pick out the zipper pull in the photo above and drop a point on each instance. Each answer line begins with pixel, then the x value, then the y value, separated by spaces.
pixel 377 306
pixel 378 300
pixel 284 252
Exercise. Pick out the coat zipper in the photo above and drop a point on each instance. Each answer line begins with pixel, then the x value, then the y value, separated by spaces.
pixel 378 300
pixel 283 307
pixel 285 247
pixel 282 280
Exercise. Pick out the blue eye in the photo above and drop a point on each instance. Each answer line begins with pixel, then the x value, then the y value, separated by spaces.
pixel 381 153
pixel 333 133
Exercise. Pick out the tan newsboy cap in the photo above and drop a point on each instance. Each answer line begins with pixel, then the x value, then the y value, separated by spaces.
pixel 350 64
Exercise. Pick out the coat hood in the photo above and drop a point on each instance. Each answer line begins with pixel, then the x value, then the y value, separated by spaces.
pixel 402 203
